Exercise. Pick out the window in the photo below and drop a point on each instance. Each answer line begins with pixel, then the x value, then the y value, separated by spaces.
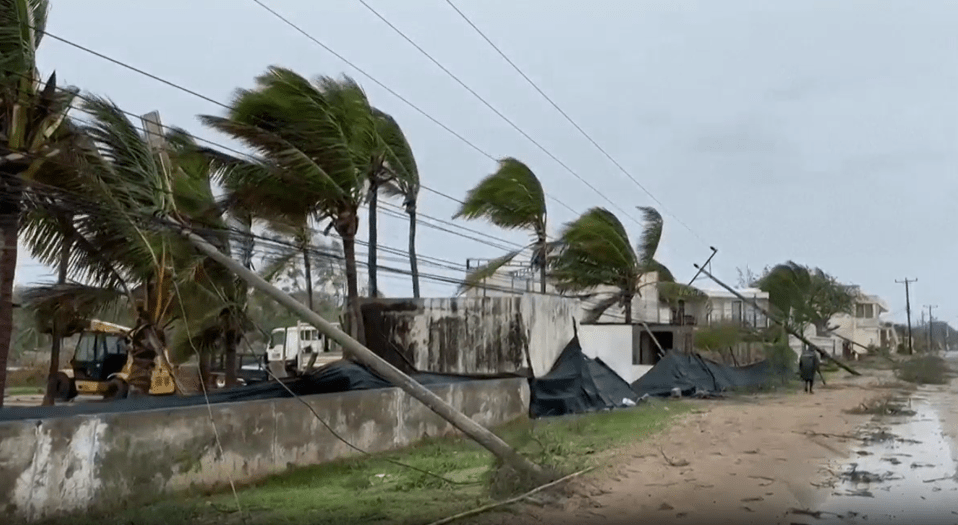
pixel 737 311
pixel 278 337
pixel 865 311
pixel 86 347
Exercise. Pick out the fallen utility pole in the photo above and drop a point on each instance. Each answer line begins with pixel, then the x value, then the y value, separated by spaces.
pixel 788 329
pixel 474 430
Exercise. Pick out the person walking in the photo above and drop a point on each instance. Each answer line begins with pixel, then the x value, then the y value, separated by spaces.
pixel 808 364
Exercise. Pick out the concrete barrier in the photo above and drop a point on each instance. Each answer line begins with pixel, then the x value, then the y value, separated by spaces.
pixel 98 462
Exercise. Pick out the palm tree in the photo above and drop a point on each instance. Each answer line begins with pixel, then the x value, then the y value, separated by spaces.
pixel 595 252
pixel 316 142
pixel 31 113
pixel 393 171
pixel 511 198
pixel 122 255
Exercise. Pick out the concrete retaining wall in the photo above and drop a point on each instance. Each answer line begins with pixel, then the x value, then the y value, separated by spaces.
pixel 69 465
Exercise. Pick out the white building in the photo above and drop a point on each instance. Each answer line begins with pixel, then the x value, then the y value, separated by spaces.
pixel 856 331
pixel 724 307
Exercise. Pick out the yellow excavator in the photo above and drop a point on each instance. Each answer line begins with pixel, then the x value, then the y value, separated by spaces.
pixel 101 365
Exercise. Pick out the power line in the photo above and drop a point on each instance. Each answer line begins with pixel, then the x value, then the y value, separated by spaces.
pixel 490 106
pixel 226 106
pixel 566 115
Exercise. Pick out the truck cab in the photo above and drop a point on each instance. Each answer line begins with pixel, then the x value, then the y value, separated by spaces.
pixel 300 348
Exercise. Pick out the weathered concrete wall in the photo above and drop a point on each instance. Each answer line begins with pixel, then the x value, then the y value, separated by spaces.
pixel 470 335
pixel 69 465
pixel 612 344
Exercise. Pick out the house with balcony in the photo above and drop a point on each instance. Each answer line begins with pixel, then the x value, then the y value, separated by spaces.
pixel 855 331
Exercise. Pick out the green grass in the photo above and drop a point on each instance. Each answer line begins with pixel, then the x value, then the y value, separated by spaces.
pixel 23 390
pixel 371 490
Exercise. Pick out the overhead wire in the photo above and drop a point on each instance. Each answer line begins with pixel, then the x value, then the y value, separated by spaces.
pixel 567 117
pixel 491 107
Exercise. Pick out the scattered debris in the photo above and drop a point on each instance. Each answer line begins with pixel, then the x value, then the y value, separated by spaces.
pixel 674 463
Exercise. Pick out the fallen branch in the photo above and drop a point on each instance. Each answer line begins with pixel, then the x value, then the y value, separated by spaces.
pixel 825 434
pixel 672 463
pixel 940 479
pixel 491 506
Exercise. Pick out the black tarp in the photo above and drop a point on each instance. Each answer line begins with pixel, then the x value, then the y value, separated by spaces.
pixel 577 384
pixel 339 376
pixel 692 374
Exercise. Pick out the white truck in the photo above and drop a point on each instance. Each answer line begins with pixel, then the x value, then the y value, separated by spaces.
pixel 294 350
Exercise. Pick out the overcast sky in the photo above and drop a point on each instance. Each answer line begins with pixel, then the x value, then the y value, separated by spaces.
pixel 822 131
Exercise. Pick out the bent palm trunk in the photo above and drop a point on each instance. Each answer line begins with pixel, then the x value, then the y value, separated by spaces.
pixel 413 258
pixel 309 276
pixel 347 232
pixel 373 240
pixel 56 332
pixel 9 228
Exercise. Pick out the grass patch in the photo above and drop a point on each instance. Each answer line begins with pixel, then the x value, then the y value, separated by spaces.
pixel 27 377
pixel 24 390
pixel 371 490
pixel 924 370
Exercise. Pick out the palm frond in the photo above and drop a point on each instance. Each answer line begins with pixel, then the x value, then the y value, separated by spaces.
pixel 595 251
pixel 476 277
pixel 398 155
pixel 594 313
pixel 671 293
pixel 511 198
pixel 651 235
pixel 72 304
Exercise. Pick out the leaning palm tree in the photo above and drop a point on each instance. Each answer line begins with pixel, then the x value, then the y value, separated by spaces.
pixel 123 256
pixel 511 198
pixel 316 142
pixel 595 253
pixel 394 172
pixel 31 113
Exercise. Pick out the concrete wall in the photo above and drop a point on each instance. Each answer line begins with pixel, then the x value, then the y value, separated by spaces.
pixel 612 344
pixel 70 465
pixel 471 335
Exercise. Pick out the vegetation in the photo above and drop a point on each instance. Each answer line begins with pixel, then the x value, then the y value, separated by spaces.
pixel 804 296
pixel 370 489
pixel 32 112
pixel 594 252
pixel 511 198
pixel 924 370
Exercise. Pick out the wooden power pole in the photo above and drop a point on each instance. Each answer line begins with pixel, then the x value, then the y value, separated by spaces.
pixel 788 329
pixel 466 425
pixel 931 323
pixel 906 282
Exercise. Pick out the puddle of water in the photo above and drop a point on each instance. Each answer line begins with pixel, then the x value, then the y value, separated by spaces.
pixel 906 476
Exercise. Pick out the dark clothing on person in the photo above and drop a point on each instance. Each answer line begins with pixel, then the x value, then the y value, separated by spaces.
pixel 808 365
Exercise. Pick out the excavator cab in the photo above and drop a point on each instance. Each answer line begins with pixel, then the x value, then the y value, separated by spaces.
pixel 102 363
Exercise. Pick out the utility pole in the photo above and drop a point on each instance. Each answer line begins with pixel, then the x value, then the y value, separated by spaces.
pixel 906 282
pixel 708 262
pixel 931 323
pixel 352 347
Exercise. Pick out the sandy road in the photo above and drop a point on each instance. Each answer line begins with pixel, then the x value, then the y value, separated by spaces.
pixel 749 459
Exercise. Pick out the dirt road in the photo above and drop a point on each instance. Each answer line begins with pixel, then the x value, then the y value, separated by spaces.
pixel 758 459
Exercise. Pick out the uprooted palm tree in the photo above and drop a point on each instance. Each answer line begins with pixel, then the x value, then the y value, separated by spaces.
pixel 316 142
pixel 30 114
pixel 595 254
pixel 511 198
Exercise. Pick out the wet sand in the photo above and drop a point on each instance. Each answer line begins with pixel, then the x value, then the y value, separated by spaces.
pixel 764 459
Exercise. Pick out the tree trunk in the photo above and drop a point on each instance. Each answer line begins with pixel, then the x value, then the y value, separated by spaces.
pixel 542 263
pixel 230 365
pixel 628 310
pixel 309 276
pixel 413 258
pixel 373 239
pixel 55 333
pixel 352 289
pixel 9 227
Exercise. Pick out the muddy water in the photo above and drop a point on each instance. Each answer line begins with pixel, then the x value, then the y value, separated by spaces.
pixel 904 470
